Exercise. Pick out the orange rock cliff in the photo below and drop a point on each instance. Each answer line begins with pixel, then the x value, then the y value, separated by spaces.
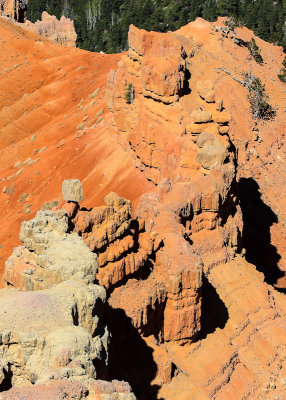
pixel 166 258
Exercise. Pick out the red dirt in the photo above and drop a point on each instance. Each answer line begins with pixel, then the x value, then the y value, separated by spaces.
pixel 40 95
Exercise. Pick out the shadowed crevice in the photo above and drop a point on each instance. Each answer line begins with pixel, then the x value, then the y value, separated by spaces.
pixel 256 236
pixel 130 358
pixel 214 311
pixel 185 90
pixel 6 384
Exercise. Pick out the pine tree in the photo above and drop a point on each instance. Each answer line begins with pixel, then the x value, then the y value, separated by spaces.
pixel 145 14
pixel 263 25
pixel 111 18
pixel 210 10
pixel 222 7
pixel 228 8
pixel 233 8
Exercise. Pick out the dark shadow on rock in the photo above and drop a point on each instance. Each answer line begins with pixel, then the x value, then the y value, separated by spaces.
pixel 281 290
pixel 214 311
pixel 155 318
pixel 130 359
pixel 256 236
pixel 185 90
pixel 6 384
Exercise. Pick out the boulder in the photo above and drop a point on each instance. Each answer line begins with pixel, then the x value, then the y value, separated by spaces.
pixel 204 87
pixel 212 152
pixel 223 117
pixel 200 117
pixel 72 190
pixel 224 129
pixel 210 96
pixel 205 138
pixel 194 129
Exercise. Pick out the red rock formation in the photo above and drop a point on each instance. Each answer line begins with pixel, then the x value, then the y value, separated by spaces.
pixel 189 314
pixel 61 390
pixel 120 242
pixel 169 133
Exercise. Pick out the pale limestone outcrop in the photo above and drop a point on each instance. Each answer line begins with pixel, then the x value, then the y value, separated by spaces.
pixel 52 334
pixel 50 255
pixel 212 150
pixel 60 31
pixel 54 272
pixel 46 228
pixel 52 327
pixel 72 190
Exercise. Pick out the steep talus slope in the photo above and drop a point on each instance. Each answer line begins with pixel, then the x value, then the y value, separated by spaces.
pixel 53 127
pixel 187 256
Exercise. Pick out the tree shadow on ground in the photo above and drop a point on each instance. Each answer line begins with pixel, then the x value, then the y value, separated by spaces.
pixel 256 236
pixel 214 311
pixel 130 359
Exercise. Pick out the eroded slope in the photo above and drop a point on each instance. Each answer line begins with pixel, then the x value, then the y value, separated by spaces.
pixel 53 127
pixel 187 311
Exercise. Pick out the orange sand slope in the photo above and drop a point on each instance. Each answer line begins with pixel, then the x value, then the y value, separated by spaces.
pixel 53 126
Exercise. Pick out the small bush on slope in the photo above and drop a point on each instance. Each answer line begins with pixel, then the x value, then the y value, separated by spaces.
pixel 258 98
pixel 282 73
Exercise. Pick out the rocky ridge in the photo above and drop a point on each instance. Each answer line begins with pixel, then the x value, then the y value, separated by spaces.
pixel 60 31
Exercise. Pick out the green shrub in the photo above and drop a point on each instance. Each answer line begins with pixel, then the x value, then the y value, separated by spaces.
pixel 130 94
pixel 94 94
pixel 258 98
pixel 80 126
pixel 100 112
pixel 255 51
pixel 23 197
pixel 282 73
pixel 49 205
